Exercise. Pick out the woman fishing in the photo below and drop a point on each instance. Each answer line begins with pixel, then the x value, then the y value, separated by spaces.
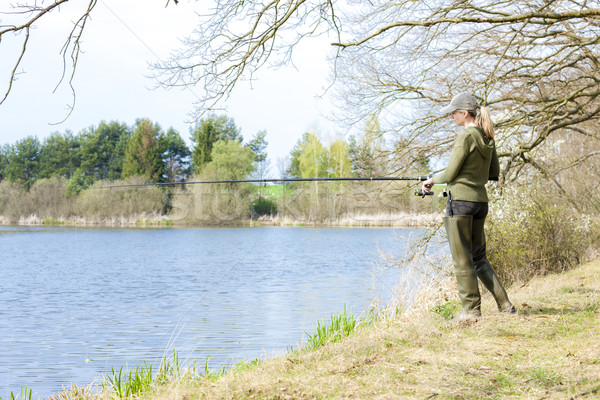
pixel 473 161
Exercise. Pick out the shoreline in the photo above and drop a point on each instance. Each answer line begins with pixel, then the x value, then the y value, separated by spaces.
pixel 396 220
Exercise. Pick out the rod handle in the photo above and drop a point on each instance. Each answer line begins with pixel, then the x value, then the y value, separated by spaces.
pixel 421 193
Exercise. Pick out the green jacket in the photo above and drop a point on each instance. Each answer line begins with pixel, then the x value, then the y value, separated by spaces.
pixel 473 161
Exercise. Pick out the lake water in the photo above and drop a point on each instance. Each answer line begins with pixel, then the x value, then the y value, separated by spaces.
pixel 76 302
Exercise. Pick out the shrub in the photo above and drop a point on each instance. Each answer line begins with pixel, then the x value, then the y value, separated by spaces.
pixel 11 200
pixel 264 206
pixel 97 202
pixel 529 235
pixel 45 199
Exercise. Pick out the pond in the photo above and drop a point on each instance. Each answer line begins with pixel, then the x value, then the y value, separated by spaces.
pixel 75 302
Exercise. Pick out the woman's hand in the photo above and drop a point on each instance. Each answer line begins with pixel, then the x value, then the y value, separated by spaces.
pixel 427 185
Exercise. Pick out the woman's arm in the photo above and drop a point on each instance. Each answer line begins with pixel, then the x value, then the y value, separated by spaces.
pixel 459 153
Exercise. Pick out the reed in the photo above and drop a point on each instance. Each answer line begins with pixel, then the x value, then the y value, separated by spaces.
pixel 335 329
pixel 124 385
pixel 25 394
pixel 212 374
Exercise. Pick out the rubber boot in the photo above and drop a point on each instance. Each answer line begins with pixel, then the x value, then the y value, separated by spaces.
pixel 484 270
pixel 459 231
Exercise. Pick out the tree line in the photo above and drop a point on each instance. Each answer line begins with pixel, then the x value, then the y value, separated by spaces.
pixel 115 151
pixel 64 165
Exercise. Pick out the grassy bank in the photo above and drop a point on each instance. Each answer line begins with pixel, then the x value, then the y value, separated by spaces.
pixel 549 351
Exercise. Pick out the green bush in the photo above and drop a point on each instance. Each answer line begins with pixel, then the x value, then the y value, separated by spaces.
pixel 530 234
pixel 264 206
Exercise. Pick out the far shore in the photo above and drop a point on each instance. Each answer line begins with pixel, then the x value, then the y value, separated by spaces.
pixel 395 220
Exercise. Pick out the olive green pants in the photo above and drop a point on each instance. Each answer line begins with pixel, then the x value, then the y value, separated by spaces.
pixel 468 247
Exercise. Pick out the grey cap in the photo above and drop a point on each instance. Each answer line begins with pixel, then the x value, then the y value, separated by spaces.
pixel 462 101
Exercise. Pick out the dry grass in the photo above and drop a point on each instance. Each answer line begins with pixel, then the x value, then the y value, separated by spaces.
pixel 398 219
pixel 141 220
pixel 550 351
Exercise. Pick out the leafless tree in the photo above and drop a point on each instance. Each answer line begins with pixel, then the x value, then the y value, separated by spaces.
pixel 534 64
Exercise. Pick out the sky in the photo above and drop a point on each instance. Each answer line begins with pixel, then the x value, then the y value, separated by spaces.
pixel 112 81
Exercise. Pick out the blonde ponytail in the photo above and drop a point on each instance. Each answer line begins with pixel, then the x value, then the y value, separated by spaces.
pixel 483 120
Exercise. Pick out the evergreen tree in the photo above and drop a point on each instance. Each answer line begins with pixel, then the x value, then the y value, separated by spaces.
pixel 143 156
pixel 258 145
pixel 23 161
pixel 103 150
pixel 4 154
pixel 59 156
pixel 176 156
pixel 366 152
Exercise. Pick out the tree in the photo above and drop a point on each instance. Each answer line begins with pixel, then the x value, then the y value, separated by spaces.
pixel 230 160
pixel 143 156
pixel 238 38
pixel 339 161
pixel 208 131
pixel 103 150
pixel 366 150
pixel 4 154
pixel 176 157
pixel 23 161
pixel 59 156
pixel 78 182
pixel 292 166
pixel 258 145
pixel 534 64
pixel 309 158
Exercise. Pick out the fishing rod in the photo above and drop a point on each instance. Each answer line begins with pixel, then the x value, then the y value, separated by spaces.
pixel 264 181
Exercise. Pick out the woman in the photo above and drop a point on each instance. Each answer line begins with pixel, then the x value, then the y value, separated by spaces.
pixel 473 162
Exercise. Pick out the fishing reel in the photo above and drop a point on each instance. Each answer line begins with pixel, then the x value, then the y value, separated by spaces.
pixel 422 194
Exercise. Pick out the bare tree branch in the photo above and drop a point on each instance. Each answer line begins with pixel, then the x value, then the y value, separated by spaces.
pixel 238 39
pixel 31 13
pixel 530 17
